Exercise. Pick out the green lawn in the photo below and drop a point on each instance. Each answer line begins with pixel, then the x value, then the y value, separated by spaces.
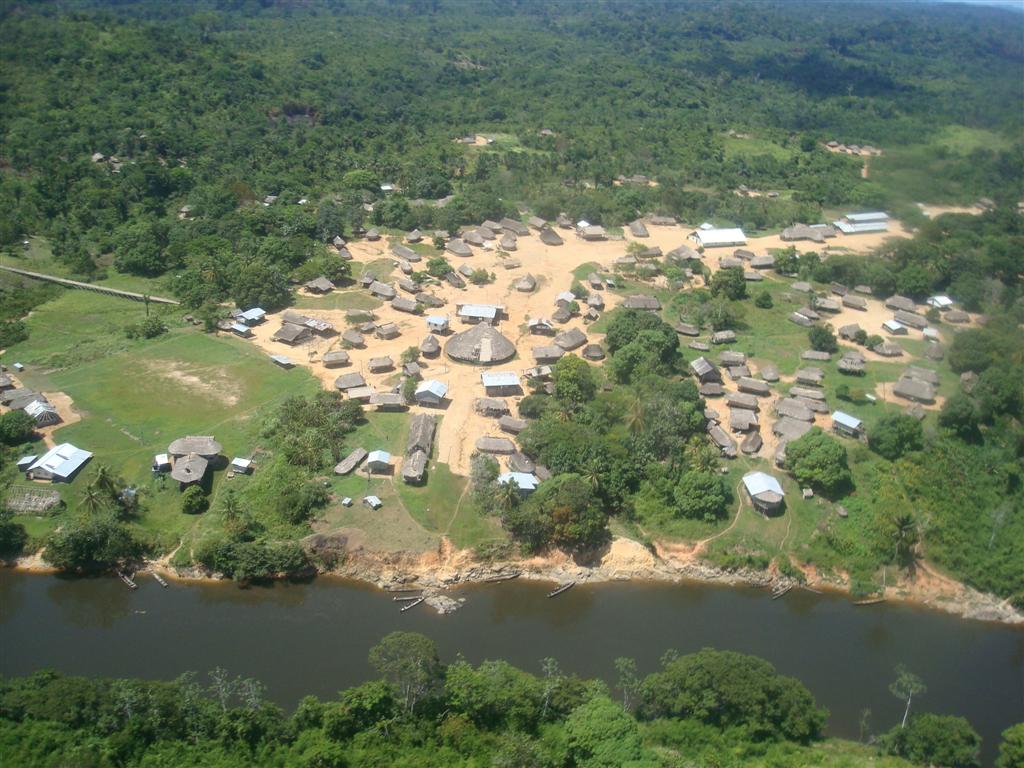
pixel 736 147
pixel 347 298
pixel 136 397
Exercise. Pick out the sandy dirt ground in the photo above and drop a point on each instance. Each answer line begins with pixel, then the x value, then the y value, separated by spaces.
pixel 552 266
pixel 931 211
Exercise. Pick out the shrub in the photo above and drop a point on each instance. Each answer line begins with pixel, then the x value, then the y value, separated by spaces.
pixel 895 435
pixel 935 740
pixel 764 300
pixel 16 427
pixel 818 460
pixel 822 339
pixel 194 501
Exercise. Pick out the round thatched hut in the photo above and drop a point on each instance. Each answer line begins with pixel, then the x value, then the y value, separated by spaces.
pixel 480 345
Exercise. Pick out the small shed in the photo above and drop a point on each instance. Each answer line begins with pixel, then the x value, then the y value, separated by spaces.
pixel 753 386
pixel 894 328
pixel 845 424
pixel 380 364
pixel 723 337
pixel 373 502
pixel 855 302
pixel 641 302
pixel 240 466
pixel 705 370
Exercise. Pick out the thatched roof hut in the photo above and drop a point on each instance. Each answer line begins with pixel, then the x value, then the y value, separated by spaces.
pixel 548 236
pixel 480 345
pixel 430 346
pixel 458 247
pixel 201 445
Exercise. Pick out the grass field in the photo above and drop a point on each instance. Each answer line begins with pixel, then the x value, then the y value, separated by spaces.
pixel 737 147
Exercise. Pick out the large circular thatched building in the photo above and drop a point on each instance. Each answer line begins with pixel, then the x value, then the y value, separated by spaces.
pixel 480 345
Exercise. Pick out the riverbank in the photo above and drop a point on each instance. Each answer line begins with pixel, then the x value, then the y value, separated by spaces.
pixel 622 560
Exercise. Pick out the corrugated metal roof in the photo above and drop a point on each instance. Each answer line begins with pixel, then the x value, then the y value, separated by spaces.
pixel 433 386
pixel 846 420
pixel 382 457
pixel 500 379
pixel 861 218
pixel 522 480
pixel 478 310
pixel 62 460
pixel 760 482
pixel 710 238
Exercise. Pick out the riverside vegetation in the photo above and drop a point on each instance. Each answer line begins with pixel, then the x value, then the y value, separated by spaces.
pixel 710 708
pixel 949 490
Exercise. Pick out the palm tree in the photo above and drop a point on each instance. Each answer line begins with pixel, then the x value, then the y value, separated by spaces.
pixel 905 537
pixel 93 501
pixel 636 416
pixel 105 482
pixel 506 496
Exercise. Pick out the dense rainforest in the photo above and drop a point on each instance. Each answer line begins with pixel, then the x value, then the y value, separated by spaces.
pixel 707 709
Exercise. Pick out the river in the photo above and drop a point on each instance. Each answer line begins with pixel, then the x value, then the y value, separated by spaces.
pixel 313 638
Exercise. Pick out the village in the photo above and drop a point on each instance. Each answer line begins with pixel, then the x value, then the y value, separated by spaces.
pixel 458 353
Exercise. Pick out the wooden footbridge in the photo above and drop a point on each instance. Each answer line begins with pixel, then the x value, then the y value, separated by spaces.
pixel 132 296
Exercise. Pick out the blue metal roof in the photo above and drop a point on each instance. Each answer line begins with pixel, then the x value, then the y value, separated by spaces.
pixel 434 387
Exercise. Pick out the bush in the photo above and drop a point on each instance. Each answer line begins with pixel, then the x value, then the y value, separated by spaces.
pixel 894 436
pixel 149 328
pixel 16 427
pixel 764 300
pixel 822 339
pixel 700 496
pixel 819 460
pixel 91 542
pixel 861 337
pixel 12 332
pixel 194 501
pixel 729 283
pixel 940 740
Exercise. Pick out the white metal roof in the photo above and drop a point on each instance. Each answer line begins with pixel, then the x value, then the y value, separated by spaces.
pixel 433 386
pixel 433 320
pixel 373 501
pixel 239 462
pixel 892 325
pixel 760 482
pixel 565 296
pixel 161 459
pixel 486 311
pixel 719 237
pixel 500 379
pixel 25 461
pixel 256 313
pixel 864 227
pixel 846 420
pixel 379 456
pixel 861 218
pixel 522 480
pixel 940 301
pixel 62 460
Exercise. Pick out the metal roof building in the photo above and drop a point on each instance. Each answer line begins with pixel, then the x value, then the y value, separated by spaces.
pixel 716 238
pixel 764 490
pixel 60 463
pixel 499 379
